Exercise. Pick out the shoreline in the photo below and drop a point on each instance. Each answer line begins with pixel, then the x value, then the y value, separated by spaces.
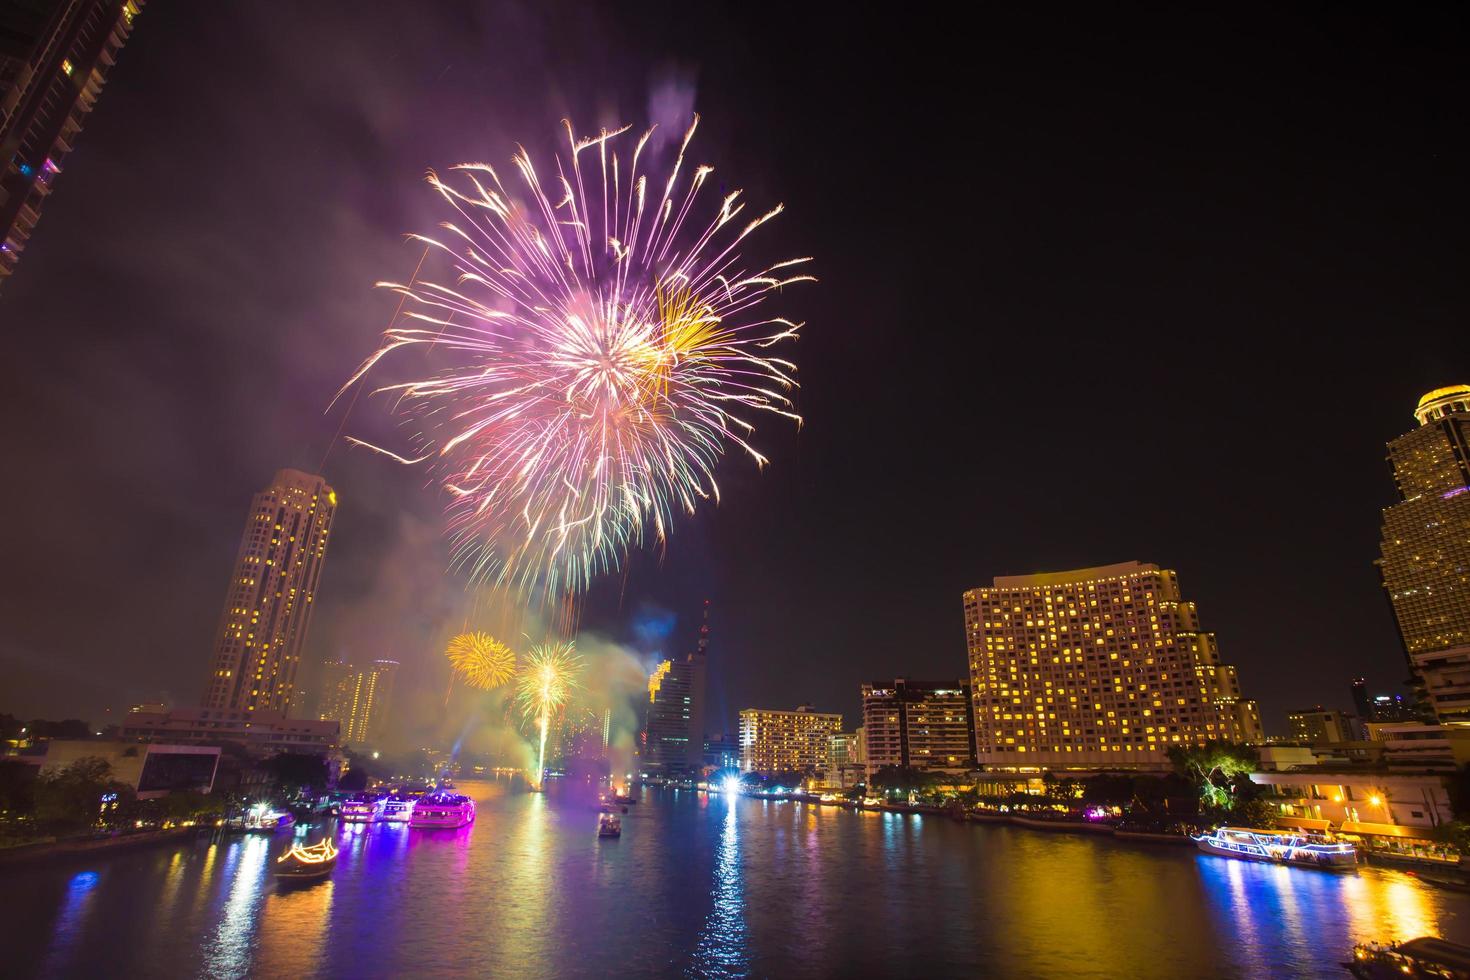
pixel 23 854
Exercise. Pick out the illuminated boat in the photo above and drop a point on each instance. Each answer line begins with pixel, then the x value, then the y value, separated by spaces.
pixel 363 808
pixel 397 808
pixel 262 817
pixel 609 825
pixel 1427 956
pixel 1279 847
pixel 302 863
pixel 443 809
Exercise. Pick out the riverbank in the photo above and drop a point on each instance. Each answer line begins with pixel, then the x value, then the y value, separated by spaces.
pixel 47 850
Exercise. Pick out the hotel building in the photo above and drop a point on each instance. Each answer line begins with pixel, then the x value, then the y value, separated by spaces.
pixel 268 607
pixel 920 724
pixel 1425 561
pixel 357 698
pixel 673 729
pixel 54 60
pixel 1096 668
pixel 786 741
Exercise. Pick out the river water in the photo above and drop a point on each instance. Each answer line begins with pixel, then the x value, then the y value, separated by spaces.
pixel 703 886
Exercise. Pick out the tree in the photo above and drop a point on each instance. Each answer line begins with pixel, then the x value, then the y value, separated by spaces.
pixel 296 772
pixel 80 795
pixel 902 779
pixel 1220 771
pixel 17 789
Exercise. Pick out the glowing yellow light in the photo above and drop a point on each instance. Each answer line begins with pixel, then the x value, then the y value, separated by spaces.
pixel 332 497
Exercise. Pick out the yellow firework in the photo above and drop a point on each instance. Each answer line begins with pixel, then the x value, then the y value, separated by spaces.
pixel 545 684
pixel 481 660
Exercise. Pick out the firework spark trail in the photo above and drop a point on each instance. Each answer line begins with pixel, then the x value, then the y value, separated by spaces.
pixel 481 660
pixel 546 682
pixel 601 358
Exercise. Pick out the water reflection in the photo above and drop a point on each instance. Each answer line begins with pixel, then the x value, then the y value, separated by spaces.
pixel 67 934
pixel 229 953
pixel 720 950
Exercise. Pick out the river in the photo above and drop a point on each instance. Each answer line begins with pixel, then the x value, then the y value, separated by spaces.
pixel 703 886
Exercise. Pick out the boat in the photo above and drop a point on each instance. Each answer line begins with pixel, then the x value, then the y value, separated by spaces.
pixel 609 825
pixel 363 808
pixel 1279 847
pixel 397 808
pixel 307 863
pixel 1427 956
pixel 266 819
pixel 443 809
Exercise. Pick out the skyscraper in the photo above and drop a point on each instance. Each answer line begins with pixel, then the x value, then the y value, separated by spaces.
pixel 1425 561
pixel 1095 668
pixel 357 698
pixel 919 724
pixel 674 724
pixel 54 59
pixel 268 607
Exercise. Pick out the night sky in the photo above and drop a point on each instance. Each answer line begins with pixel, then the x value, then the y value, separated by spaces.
pixel 1154 287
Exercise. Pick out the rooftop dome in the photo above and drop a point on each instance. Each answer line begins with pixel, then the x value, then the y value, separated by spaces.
pixel 1441 401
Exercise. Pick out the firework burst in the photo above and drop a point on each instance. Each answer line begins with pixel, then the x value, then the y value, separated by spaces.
pixel 546 683
pixel 481 660
pixel 601 349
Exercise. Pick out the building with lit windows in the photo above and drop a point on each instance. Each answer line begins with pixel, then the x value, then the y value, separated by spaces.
pixel 1425 553
pixel 673 730
pixel 847 759
pixel 357 698
pixel 1095 668
pixel 787 741
pixel 268 607
pixel 1319 724
pixel 54 60
pixel 919 724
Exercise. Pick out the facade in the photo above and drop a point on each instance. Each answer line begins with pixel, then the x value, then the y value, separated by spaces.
pixel 1096 668
pixel 1346 797
pixel 260 732
pixel 673 731
pixel 357 698
pixel 846 759
pixel 721 751
pixel 1314 725
pixel 786 741
pixel 923 724
pixel 153 770
pixel 1415 745
pixel 268 607
pixel 1425 552
pixel 54 59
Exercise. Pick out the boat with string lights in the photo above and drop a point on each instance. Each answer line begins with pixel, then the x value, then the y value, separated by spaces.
pixel 1279 847
pixel 442 809
pixel 363 808
pixel 397 808
pixel 307 862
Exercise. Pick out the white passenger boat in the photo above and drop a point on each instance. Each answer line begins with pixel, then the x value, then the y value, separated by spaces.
pixel 363 808
pixel 397 808
pixel 443 809
pixel 1279 847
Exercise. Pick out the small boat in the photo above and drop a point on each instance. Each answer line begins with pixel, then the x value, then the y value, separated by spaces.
pixel 609 825
pixel 1279 847
pixel 307 863
pixel 363 808
pixel 1427 956
pixel 265 819
pixel 443 809
pixel 624 798
pixel 397 808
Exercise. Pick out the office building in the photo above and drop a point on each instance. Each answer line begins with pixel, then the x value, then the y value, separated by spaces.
pixel 1317 725
pixel 673 731
pixel 920 724
pixel 358 698
pixel 1425 552
pixel 786 741
pixel 268 606
pixel 1101 667
pixel 54 60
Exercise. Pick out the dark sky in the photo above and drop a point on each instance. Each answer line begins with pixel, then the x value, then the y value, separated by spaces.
pixel 1134 287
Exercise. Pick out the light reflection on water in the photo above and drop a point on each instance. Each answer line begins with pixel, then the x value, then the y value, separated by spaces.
pixel 702 886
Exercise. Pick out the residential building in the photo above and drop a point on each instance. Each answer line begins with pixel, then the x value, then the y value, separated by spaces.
pixel 257 648
pixel 673 731
pixel 358 698
pixel 1102 667
pixel 1425 552
pixel 786 741
pixel 920 724
pixel 846 759
pixel 1319 724
pixel 54 60
pixel 1416 745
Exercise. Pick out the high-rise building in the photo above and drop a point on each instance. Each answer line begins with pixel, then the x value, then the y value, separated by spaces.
pixel 1362 700
pixel 1318 725
pixel 673 742
pixel 357 698
pixel 846 759
pixel 1425 562
pixel 54 59
pixel 268 607
pixel 786 741
pixel 919 724
pixel 1095 668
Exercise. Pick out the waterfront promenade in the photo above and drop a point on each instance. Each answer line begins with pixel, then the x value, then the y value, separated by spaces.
pixel 709 886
